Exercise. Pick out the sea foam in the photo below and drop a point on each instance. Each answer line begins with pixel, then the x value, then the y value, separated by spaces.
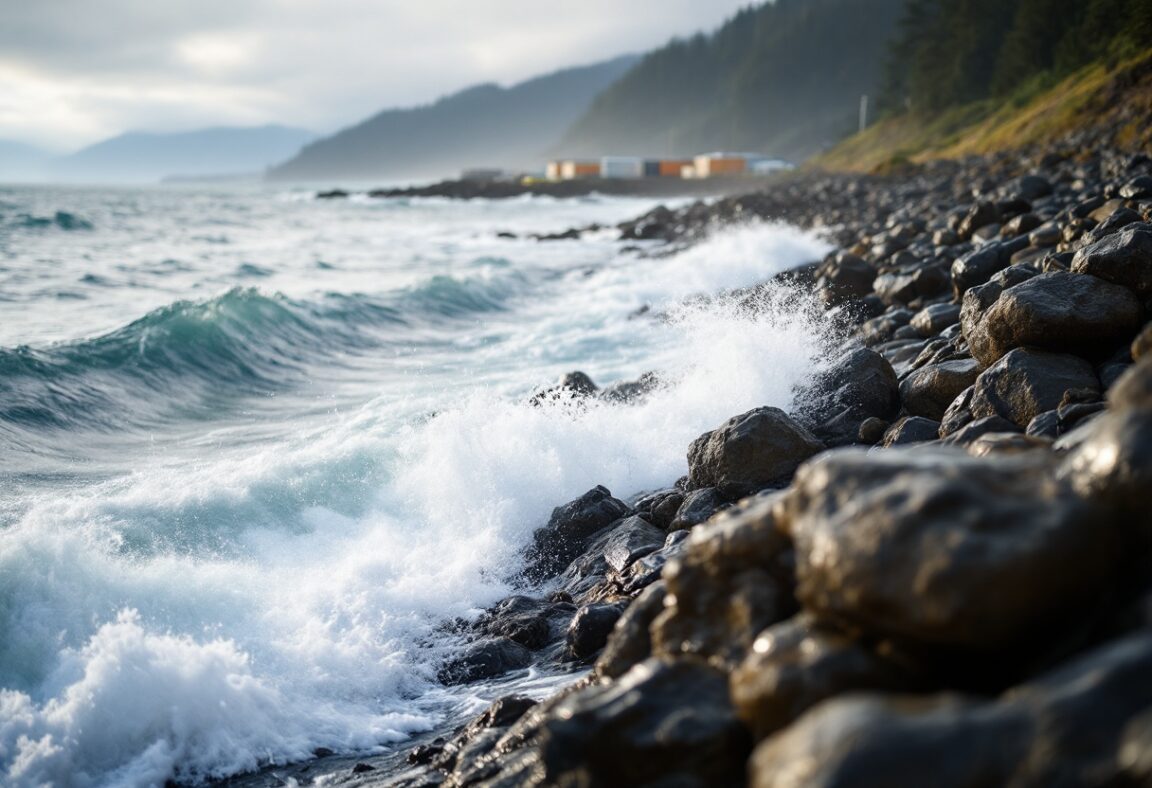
pixel 198 619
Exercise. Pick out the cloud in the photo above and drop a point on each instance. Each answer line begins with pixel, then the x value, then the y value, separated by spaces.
pixel 74 71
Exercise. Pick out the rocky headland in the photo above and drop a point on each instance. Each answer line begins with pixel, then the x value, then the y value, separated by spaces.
pixel 936 569
pixel 507 188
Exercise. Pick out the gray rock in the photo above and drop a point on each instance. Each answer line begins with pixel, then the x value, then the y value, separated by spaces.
pixel 630 642
pixel 1058 310
pixel 798 663
pixel 936 549
pixel 1124 258
pixel 732 581
pixel 631 539
pixel 565 537
pixel 697 507
pixel 663 722
pixel 589 630
pixel 858 385
pixel 844 278
pixel 1025 383
pixel 1068 728
pixel 911 429
pixel 484 659
pixel 750 452
pixel 930 390
pixel 976 429
pixel 931 320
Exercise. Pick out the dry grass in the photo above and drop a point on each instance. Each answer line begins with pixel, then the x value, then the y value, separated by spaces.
pixel 1117 99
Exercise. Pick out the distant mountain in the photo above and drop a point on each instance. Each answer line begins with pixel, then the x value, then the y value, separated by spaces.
pixel 783 78
pixel 21 162
pixel 483 126
pixel 146 157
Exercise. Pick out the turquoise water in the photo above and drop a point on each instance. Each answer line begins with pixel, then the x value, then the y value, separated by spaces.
pixel 255 447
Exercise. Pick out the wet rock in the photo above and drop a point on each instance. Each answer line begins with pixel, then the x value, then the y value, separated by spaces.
pixel 976 429
pixel 484 659
pixel 844 278
pixel 980 215
pixel 1028 188
pixel 1067 728
pixel 911 429
pixel 798 663
pixel 476 738
pixel 872 431
pixel 630 642
pixel 664 722
pixel 750 452
pixel 992 443
pixel 1058 310
pixel 958 413
pixel 1137 189
pixel 1124 258
pixel 977 267
pixel 697 507
pixel 589 630
pixel 648 569
pixel 860 384
pixel 530 631
pixel 733 580
pixel 1142 344
pixel 1109 460
pixel 633 538
pixel 931 320
pixel 1134 387
pixel 629 391
pixel 564 538
pixel 573 385
pixel 935 549
pixel 1025 383
pixel 930 390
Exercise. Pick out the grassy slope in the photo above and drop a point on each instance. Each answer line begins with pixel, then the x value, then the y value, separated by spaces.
pixel 1114 102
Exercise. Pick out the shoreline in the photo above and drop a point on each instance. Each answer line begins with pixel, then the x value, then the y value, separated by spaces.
pixel 953 511
pixel 464 189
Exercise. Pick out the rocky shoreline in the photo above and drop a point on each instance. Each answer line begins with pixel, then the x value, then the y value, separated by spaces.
pixel 503 189
pixel 937 567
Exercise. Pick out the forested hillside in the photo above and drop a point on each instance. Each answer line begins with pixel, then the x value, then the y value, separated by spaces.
pixel 952 52
pixel 783 78
pixel 971 77
pixel 486 126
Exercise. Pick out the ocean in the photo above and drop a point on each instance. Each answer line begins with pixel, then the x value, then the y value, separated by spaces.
pixel 257 448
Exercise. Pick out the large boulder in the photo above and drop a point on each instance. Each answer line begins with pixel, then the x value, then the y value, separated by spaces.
pixel 943 552
pixel 931 389
pixel 630 641
pixel 732 581
pixel 1025 383
pixel 1086 724
pixel 590 628
pixel 844 278
pixel 1124 258
pixel 798 663
pixel 1057 310
pixel 484 659
pixel 662 723
pixel 564 537
pixel 750 452
pixel 632 539
pixel 858 385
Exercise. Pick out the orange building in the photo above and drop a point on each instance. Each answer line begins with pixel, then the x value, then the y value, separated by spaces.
pixel 570 169
pixel 710 165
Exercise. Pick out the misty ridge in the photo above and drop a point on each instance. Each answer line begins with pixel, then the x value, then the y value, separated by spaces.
pixel 784 79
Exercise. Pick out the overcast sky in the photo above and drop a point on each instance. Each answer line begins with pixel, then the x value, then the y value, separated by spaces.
pixel 73 72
